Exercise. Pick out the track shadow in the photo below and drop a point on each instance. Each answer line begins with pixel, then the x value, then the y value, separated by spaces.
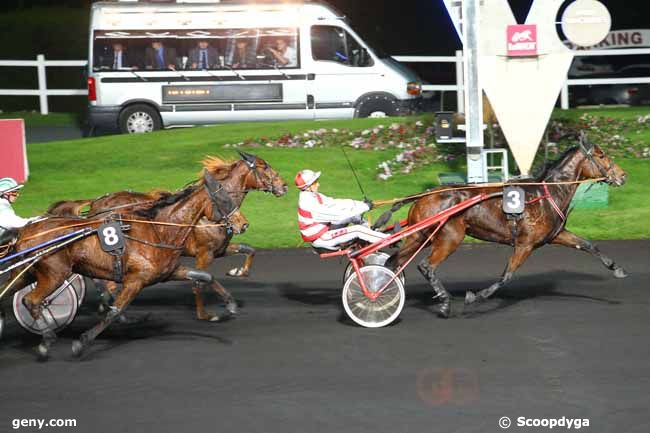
pixel 315 296
pixel 520 289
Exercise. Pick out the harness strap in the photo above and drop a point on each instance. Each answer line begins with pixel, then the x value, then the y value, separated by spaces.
pixel 553 203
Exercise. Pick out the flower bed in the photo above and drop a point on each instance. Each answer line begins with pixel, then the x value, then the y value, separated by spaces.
pixel 417 147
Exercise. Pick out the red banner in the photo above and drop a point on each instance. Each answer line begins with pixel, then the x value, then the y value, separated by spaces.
pixel 522 40
pixel 13 153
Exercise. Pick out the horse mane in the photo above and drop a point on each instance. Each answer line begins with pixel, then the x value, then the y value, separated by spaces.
pixel 549 166
pixel 218 167
pixel 157 194
pixel 165 201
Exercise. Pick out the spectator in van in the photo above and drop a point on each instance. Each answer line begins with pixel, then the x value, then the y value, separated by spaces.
pixel 203 56
pixel 284 55
pixel 159 56
pixel 115 57
pixel 243 57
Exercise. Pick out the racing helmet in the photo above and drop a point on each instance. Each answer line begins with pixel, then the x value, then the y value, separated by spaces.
pixel 305 178
pixel 8 184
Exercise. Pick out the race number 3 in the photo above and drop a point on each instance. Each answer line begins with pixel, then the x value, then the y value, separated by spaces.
pixel 111 237
pixel 514 200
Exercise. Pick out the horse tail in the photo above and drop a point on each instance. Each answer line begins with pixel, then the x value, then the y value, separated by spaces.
pixel 386 216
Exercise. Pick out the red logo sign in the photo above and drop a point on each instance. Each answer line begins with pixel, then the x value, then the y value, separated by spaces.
pixel 14 155
pixel 522 40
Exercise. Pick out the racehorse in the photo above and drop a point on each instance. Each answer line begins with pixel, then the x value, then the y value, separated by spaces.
pixel 153 247
pixel 205 243
pixel 542 222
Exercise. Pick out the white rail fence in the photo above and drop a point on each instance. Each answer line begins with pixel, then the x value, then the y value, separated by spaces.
pixel 43 92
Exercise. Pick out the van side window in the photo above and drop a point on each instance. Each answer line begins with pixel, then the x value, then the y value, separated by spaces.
pixel 334 44
pixel 200 50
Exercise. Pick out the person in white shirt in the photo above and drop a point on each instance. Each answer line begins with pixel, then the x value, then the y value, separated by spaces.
pixel 324 221
pixel 284 54
pixel 9 221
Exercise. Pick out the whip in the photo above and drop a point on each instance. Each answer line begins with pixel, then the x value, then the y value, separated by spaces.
pixel 355 174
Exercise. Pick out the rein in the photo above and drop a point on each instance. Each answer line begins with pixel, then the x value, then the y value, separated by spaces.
pixel 380 203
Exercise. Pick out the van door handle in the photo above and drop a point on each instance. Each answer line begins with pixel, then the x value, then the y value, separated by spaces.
pixel 311 77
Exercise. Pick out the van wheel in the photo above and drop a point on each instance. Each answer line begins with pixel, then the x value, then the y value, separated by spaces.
pixel 377 106
pixel 139 119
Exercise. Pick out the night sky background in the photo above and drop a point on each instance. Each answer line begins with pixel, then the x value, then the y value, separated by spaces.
pixel 59 29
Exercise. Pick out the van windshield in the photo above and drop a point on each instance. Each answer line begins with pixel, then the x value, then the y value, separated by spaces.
pixel 268 48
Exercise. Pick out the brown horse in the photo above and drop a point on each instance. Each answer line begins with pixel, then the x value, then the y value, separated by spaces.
pixel 542 222
pixel 204 243
pixel 153 247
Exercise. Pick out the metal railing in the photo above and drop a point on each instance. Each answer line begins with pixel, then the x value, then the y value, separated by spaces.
pixel 43 92
pixel 442 88
pixel 564 96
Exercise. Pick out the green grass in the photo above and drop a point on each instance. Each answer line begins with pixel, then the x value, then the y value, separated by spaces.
pixel 168 159
pixel 37 119
pixel 613 112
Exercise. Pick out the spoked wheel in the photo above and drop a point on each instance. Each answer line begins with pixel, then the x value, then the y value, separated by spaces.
pixel 60 307
pixel 379 312
pixel 379 258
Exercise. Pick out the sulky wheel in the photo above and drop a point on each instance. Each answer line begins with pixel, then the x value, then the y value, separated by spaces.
pixel 2 322
pixel 59 310
pixel 379 258
pixel 385 308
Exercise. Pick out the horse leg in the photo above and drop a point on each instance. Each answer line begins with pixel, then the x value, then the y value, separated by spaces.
pixel 442 246
pixel 203 261
pixel 568 239
pixel 517 259
pixel 248 251
pixel 46 283
pixel 126 296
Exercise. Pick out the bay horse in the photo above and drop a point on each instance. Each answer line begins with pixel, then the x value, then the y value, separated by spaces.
pixel 542 222
pixel 153 247
pixel 205 243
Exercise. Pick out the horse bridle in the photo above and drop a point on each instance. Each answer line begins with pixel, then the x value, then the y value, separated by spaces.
pixel 217 200
pixel 251 162
pixel 604 172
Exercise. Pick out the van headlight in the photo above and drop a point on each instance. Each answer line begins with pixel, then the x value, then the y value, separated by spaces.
pixel 414 88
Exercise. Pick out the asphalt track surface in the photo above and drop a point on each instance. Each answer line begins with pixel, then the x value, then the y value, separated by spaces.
pixel 565 339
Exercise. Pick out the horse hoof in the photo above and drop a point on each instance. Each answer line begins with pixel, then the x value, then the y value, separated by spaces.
pixel 620 273
pixel 444 311
pixel 231 307
pixel 470 298
pixel 77 348
pixel 237 272
pixel 215 319
pixel 43 351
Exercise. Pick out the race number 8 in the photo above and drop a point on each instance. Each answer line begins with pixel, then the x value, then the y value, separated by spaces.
pixel 513 200
pixel 110 236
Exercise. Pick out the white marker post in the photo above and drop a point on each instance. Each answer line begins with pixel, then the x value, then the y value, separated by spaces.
pixel 473 91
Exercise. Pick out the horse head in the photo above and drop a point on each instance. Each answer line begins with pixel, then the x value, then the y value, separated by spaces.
pixel 223 208
pixel 262 176
pixel 598 164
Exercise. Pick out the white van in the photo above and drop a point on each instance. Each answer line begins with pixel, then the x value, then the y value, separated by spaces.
pixel 192 62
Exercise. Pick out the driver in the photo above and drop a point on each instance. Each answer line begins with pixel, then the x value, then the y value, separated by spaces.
pixel 324 221
pixel 9 190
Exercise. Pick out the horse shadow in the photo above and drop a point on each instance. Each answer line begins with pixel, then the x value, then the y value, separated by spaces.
pixel 520 289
